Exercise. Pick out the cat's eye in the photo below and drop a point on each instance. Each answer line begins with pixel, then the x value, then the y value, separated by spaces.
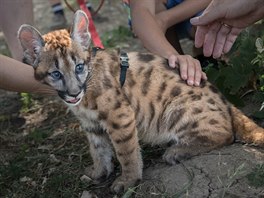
pixel 56 75
pixel 79 68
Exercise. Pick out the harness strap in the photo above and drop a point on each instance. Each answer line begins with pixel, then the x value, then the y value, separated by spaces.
pixel 94 50
pixel 95 37
pixel 124 65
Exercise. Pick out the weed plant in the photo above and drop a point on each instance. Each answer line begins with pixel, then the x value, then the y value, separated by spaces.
pixel 242 70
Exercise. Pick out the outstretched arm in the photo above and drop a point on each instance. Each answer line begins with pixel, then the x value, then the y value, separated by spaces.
pixel 19 77
pixel 150 27
pixel 147 28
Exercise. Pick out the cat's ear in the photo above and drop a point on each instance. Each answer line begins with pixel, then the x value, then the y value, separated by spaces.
pixel 80 32
pixel 31 42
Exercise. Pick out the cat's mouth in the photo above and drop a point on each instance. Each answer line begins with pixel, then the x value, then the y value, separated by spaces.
pixel 72 100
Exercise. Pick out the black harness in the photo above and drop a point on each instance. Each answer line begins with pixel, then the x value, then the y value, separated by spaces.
pixel 124 65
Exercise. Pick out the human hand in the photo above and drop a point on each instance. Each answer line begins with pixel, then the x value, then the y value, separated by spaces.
pixel 190 68
pixel 236 13
pixel 221 23
pixel 216 38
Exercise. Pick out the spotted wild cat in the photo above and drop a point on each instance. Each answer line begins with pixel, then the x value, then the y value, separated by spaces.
pixel 154 105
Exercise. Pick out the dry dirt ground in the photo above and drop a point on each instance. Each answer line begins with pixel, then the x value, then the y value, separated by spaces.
pixel 220 173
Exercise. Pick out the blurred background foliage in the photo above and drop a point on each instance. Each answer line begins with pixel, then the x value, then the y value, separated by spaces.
pixel 241 72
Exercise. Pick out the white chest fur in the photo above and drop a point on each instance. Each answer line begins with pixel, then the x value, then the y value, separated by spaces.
pixel 87 117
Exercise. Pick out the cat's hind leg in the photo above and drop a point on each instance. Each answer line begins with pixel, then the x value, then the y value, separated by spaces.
pixel 193 144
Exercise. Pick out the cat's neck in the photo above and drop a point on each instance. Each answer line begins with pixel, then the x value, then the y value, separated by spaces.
pixel 104 63
pixel 104 66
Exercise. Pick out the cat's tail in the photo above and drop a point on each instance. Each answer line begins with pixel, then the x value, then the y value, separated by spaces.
pixel 245 129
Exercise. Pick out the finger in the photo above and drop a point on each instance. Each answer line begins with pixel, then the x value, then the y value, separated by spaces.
pixel 210 14
pixel 191 72
pixel 183 66
pixel 205 19
pixel 210 39
pixel 200 35
pixel 198 73
pixel 221 40
pixel 231 38
pixel 172 61
pixel 204 76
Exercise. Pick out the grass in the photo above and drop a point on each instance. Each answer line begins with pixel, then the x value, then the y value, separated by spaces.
pixel 256 177
pixel 230 178
pixel 45 179
pixel 117 36
pixel 44 162
pixel 51 172
pixel 26 100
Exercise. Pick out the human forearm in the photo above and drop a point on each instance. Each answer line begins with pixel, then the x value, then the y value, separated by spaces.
pixel 18 77
pixel 183 11
pixel 148 30
pixel 151 32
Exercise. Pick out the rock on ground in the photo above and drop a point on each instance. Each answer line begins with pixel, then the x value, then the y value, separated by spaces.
pixel 220 173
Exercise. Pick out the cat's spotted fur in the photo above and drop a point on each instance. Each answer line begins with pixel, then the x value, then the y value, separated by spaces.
pixel 154 105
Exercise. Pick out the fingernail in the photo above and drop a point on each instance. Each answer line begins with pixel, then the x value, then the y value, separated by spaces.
pixel 190 82
pixel 197 83
pixel 194 20
pixel 216 56
pixel 184 77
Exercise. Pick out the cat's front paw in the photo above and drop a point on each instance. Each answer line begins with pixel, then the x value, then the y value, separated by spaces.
pixel 121 184
pixel 98 175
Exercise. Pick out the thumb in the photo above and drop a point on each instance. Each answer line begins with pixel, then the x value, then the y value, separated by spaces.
pixel 209 15
pixel 172 61
pixel 204 19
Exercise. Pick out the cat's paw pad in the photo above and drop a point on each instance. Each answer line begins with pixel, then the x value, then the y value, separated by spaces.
pixel 121 184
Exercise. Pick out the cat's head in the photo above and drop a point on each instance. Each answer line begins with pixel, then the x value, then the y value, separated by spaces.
pixel 60 58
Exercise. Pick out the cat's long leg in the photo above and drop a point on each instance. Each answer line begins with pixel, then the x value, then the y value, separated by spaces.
pixel 101 153
pixel 125 141
pixel 118 117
